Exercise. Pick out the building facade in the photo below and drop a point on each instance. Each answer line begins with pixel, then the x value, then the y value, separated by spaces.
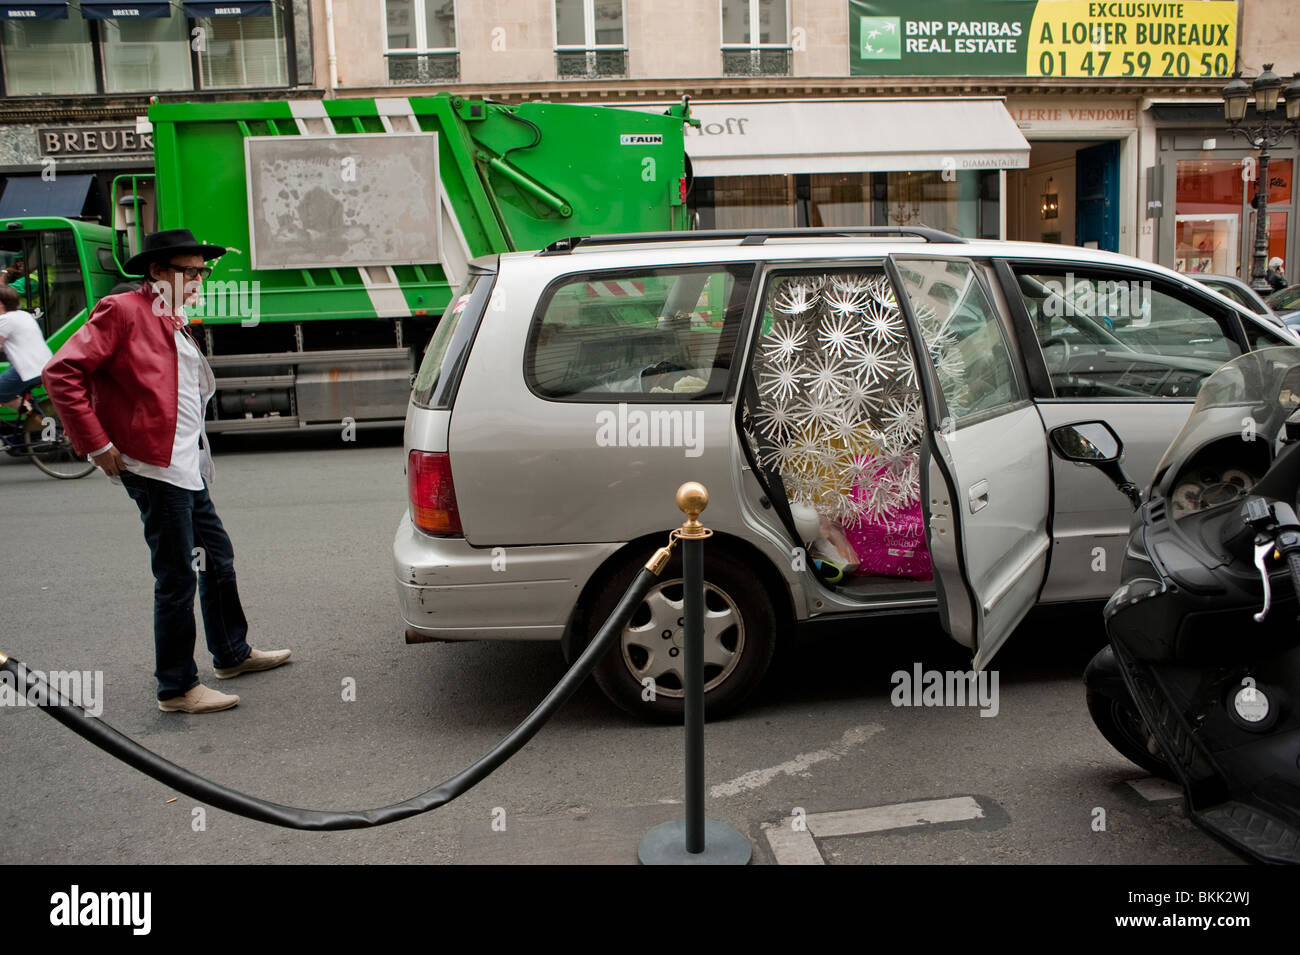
pixel 1090 123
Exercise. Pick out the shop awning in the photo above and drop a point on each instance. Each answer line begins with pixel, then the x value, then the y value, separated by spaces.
pixel 196 11
pixel 33 196
pixel 763 138
pixel 34 10
pixel 124 10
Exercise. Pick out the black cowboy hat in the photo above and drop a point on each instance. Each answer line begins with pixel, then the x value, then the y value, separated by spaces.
pixel 161 246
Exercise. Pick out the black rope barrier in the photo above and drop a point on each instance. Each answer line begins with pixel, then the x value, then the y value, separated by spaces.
pixel 117 744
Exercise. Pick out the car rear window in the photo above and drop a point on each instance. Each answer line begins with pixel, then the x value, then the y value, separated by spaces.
pixel 660 334
pixel 435 384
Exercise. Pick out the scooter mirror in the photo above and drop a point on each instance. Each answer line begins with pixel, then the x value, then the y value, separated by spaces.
pixel 1088 442
pixel 1095 443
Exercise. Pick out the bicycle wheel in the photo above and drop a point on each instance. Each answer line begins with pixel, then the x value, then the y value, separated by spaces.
pixel 51 451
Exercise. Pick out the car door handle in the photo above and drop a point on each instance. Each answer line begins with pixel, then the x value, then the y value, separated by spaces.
pixel 978 495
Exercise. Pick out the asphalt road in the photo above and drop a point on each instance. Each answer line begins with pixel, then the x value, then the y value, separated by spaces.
pixel 312 522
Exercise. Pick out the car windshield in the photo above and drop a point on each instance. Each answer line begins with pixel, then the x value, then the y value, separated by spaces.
pixel 1285 299
pixel 1238 293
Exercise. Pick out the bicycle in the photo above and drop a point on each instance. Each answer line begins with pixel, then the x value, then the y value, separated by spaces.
pixel 37 433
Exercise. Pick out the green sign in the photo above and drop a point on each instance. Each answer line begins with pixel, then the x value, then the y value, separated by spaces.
pixel 1100 39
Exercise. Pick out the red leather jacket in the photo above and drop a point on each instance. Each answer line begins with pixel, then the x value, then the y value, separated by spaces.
pixel 115 379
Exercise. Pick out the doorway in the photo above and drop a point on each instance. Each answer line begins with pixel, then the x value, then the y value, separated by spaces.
pixel 1068 195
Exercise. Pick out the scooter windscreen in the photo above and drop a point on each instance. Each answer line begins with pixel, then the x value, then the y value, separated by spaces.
pixel 1235 430
pixel 1191 572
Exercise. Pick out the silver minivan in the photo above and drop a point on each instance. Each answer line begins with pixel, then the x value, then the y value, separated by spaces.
pixel 868 408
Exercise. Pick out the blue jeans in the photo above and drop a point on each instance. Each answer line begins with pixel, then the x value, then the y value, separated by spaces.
pixel 11 386
pixel 176 521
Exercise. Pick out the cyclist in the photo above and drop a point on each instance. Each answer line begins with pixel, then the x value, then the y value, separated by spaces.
pixel 24 347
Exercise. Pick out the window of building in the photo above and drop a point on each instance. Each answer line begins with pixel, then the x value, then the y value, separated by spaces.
pixel 99 47
pixel 1214 221
pixel 146 54
pixel 966 206
pixel 589 38
pixel 48 56
pixel 755 38
pixel 421 41
pixel 242 51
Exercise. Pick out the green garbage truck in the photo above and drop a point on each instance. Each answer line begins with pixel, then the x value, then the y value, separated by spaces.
pixel 349 225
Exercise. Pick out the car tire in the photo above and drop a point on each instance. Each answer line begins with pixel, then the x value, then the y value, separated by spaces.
pixel 1120 722
pixel 740 638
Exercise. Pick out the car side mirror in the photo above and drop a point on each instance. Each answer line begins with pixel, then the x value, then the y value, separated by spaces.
pixel 1095 443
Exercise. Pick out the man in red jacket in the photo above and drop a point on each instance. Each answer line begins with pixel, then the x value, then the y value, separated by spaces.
pixel 131 387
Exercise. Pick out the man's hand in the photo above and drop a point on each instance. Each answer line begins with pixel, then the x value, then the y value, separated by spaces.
pixel 110 461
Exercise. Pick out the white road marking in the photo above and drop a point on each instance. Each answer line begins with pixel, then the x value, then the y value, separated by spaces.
pixel 853 822
pixel 790 847
pixel 757 778
pixel 1154 789
pixel 798 847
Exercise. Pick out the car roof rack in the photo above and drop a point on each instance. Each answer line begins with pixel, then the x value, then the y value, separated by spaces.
pixel 747 236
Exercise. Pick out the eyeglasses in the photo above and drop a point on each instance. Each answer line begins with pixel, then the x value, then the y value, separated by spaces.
pixel 191 272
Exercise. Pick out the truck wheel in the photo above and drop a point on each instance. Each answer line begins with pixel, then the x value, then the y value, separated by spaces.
pixel 642 672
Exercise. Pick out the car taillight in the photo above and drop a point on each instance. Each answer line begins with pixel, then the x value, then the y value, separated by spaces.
pixel 433 498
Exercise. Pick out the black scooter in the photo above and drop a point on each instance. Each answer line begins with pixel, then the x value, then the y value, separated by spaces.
pixel 1201 678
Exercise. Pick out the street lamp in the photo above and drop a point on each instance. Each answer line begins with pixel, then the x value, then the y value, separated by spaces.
pixel 1265 133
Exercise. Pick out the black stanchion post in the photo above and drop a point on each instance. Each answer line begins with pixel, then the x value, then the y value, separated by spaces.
pixel 694 840
pixel 693 599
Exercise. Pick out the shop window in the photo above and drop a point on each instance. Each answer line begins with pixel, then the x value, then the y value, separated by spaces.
pixel 1208 216
pixel 1116 334
pixel 146 54
pixel 669 335
pixel 243 51
pixel 755 38
pixel 48 56
pixel 421 41
pixel 589 38
pixel 753 202
pixel 839 200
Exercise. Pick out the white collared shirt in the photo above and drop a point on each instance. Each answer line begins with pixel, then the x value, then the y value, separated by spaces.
pixel 194 386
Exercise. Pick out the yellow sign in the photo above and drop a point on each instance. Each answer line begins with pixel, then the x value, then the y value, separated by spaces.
pixel 1109 39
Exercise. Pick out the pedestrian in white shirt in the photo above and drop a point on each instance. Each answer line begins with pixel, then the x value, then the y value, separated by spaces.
pixel 24 347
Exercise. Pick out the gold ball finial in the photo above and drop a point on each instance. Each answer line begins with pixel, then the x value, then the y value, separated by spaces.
pixel 692 499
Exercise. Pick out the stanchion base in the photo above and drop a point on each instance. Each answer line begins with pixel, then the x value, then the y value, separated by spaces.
pixel 666 845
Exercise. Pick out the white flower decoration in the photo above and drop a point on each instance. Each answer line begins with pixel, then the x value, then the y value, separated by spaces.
pixel 860 398
pixel 884 325
pixel 871 362
pixel 904 419
pixel 794 299
pixel 883 292
pixel 776 418
pixel 825 375
pixel 845 303
pixel 785 341
pixel 839 335
pixel 779 381
pixel 855 283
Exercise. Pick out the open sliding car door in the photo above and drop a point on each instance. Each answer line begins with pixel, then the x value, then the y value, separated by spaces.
pixel 984 461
